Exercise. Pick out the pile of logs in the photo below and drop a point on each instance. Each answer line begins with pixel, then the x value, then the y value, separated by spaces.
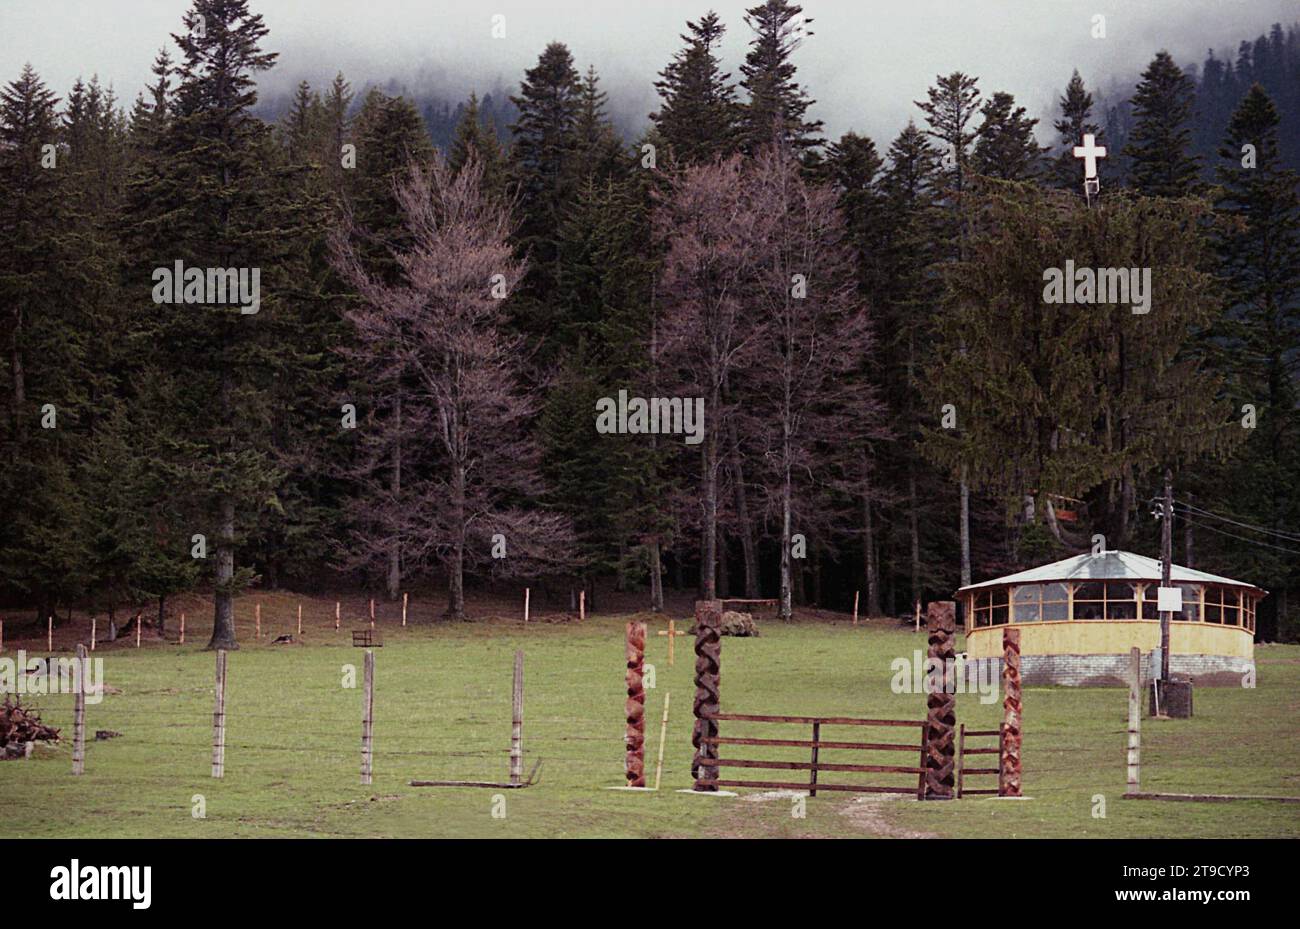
pixel 20 726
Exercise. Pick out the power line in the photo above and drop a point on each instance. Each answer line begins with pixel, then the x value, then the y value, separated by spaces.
pixel 1242 538
pixel 1283 535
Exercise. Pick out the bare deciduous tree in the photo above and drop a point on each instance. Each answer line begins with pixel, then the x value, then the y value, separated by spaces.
pixel 438 336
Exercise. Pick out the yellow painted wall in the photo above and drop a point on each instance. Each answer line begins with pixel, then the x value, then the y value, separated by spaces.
pixel 1113 637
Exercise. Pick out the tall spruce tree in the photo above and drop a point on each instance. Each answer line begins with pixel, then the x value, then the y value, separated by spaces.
pixel 475 139
pixel 1074 122
pixel 778 106
pixel 1161 163
pixel 1005 146
pixel 211 204
pixel 545 144
pixel 698 118
pixel 1258 249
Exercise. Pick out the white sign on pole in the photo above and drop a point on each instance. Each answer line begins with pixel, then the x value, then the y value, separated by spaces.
pixel 1170 599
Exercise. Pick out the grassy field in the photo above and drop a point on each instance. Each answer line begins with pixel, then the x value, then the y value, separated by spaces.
pixel 442 710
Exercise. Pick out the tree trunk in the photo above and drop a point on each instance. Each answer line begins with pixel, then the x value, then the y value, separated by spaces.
pixel 817 577
pixel 223 621
pixel 18 377
pixel 965 528
pixel 745 524
pixel 456 563
pixel 656 578
pixel 709 550
pixel 395 551
pixel 724 569
pixel 870 566
pixel 785 609
pixel 914 531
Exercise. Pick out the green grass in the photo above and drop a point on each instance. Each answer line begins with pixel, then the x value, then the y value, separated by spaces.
pixel 443 712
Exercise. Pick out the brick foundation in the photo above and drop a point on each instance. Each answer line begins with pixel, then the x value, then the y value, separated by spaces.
pixel 1112 670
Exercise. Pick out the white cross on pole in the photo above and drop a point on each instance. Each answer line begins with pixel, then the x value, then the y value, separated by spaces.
pixel 1089 151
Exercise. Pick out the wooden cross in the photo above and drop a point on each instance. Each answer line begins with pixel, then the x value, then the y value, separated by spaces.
pixel 1090 151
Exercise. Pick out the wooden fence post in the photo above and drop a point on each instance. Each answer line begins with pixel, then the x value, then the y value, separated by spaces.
pixel 517 721
pixel 336 615
pixel 1134 720
pixel 812 774
pixel 525 604
pixel 708 666
pixel 139 624
pixel 300 620
pixel 219 719
pixel 404 596
pixel 855 606
pixel 1009 743
pixel 93 630
pixel 79 715
pixel 672 638
pixel 961 757
pixel 663 734
pixel 49 632
pixel 941 705
pixel 634 766
pixel 582 606
pixel 368 718
pixel 182 641
pixel 372 619
pixel 257 610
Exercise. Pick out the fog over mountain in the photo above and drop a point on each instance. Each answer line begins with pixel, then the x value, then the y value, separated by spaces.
pixel 865 62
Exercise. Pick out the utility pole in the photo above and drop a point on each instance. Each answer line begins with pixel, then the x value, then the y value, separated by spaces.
pixel 1166 560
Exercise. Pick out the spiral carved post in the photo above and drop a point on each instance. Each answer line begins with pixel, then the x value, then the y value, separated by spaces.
pixel 1009 762
pixel 708 659
pixel 635 765
pixel 941 705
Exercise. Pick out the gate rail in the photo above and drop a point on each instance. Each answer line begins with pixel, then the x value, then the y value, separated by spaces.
pixel 814 765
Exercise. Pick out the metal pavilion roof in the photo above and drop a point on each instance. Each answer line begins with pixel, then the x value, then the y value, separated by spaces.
pixel 1107 566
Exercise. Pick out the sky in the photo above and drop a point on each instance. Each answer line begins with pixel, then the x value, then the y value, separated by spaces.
pixel 865 62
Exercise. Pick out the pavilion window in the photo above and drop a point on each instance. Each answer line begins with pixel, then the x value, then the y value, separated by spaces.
pixel 982 601
pixel 1056 602
pixel 1214 605
pixel 1000 610
pixel 1026 604
pixel 1090 600
pixel 1121 600
pixel 1191 603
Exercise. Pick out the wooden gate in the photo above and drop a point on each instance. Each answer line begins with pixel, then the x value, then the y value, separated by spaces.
pixel 815 765
pixel 963 751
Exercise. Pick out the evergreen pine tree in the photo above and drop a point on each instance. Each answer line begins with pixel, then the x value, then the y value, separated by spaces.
pixel 1159 147
pixel 545 144
pixel 474 139
pixel 777 107
pixel 697 119
pixel 1074 122
pixel 1005 146
pixel 1258 248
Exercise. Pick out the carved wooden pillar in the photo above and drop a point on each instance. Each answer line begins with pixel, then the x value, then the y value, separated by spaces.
pixel 1009 757
pixel 708 656
pixel 635 765
pixel 941 703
